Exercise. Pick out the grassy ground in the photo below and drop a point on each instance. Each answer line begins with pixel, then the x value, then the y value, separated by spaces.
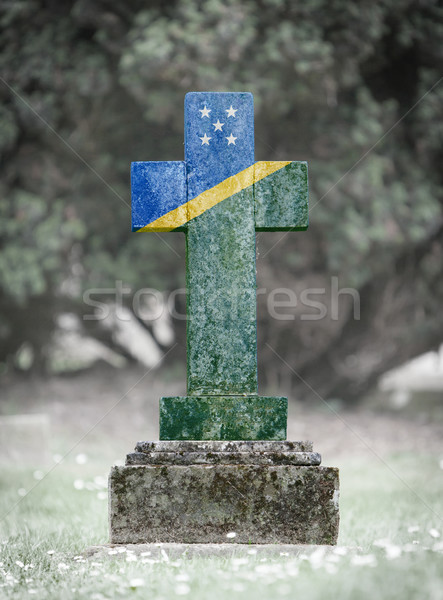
pixel 391 535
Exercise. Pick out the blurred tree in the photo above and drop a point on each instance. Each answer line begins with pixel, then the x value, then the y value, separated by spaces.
pixel 342 85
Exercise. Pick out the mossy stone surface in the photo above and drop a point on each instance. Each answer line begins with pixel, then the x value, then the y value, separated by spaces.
pixel 221 452
pixel 202 504
pixel 281 199
pixel 223 418
pixel 224 446
pixel 224 458
pixel 221 299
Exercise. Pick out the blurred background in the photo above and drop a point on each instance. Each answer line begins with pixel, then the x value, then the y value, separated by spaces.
pixel 88 87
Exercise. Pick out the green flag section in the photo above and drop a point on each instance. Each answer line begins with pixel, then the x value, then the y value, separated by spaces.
pixel 221 298
pixel 281 198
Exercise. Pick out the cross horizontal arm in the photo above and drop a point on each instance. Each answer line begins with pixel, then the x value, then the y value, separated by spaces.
pixel 160 201
pixel 281 198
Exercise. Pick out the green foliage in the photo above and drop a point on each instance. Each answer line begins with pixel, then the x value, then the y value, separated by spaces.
pixel 37 238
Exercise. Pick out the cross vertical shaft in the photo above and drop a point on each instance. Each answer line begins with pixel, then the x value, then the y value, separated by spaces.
pixel 220 251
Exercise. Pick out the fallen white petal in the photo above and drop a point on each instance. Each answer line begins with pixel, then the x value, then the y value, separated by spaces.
pixel 182 589
pixel 392 552
pixel 368 560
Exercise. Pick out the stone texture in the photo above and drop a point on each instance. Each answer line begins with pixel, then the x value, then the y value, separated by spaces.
pixel 220 452
pixel 202 504
pixel 221 303
pixel 226 458
pixel 281 199
pixel 224 446
pixel 223 418
pixel 157 187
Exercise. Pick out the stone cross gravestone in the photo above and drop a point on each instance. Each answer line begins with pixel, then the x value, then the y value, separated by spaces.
pixel 220 197
pixel 222 463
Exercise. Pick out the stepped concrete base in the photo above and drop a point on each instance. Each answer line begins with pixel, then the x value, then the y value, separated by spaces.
pixel 204 492
pixel 223 452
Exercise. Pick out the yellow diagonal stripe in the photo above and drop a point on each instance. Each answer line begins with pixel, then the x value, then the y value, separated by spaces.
pixel 230 186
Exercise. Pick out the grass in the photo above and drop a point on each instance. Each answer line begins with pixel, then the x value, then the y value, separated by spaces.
pixel 385 547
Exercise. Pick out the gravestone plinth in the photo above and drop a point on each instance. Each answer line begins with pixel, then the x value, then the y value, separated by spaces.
pixel 222 464
pixel 199 492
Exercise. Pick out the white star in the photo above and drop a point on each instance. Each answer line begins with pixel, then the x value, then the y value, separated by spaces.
pixel 231 139
pixel 205 112
pixel 231 111
pixel 218 126
pixel 205 140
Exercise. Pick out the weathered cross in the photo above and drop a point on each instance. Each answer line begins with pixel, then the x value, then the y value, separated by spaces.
pixel 220 197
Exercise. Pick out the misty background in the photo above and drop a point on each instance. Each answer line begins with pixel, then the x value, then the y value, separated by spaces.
pixel 88 87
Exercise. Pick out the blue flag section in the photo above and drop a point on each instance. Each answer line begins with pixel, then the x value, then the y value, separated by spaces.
pixel 219 137
pixel 157 188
